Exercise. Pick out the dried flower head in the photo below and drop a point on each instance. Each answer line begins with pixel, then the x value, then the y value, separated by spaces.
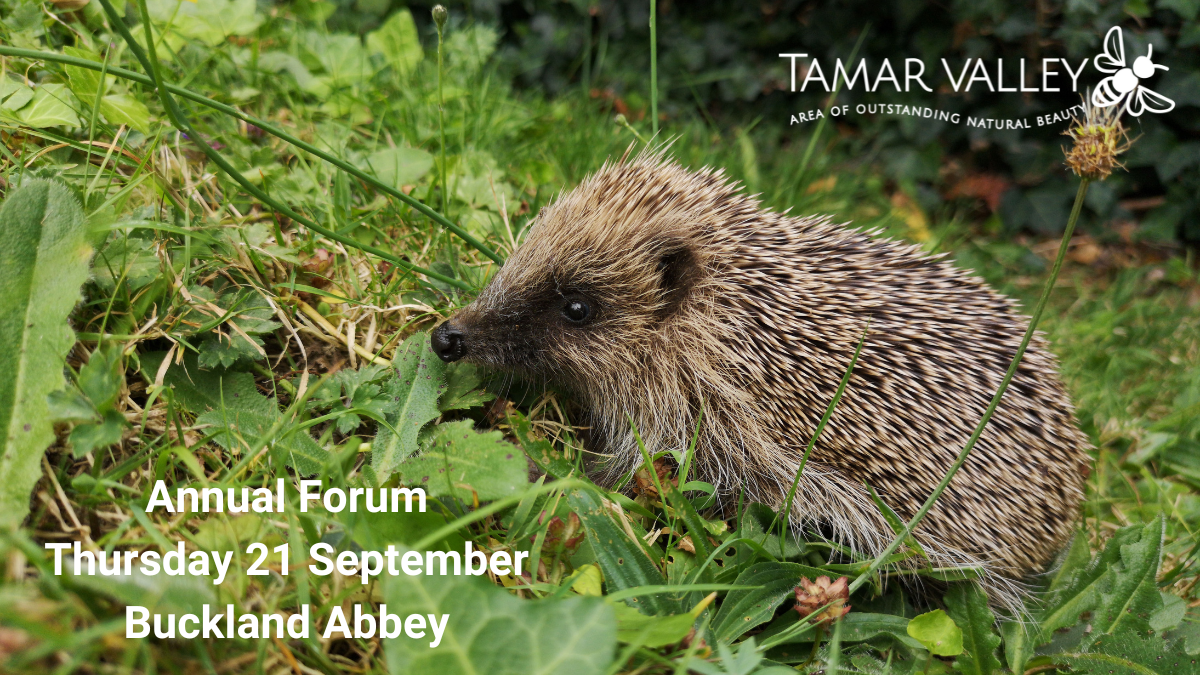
pixel 811 596
pixel 1098 138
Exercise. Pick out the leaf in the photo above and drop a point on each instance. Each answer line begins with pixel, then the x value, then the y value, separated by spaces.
pixel 1019 640
pixel 224 350
pixel 622 560
pixel 490 631
pixel 775 582
pixel 84 82
pixel 397 41
pixel 14 95
pixel 651 631
pixel 44 261
pixel 210 21
pixel 462 388
pixel 1130 654
pixel 87 437
pixel 937 632
pixel 400 166
pixel 238 414
pixel 161 593
pixel 460 461
pixel 125 109
pixel 1131 594
pixel 414 391
pixel 52 105
pixel 1084 590
pixel 968 606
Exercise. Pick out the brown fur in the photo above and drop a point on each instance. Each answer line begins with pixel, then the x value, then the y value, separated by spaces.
pixel 703 299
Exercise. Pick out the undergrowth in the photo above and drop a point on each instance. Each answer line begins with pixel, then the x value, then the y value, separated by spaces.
pixel 219 343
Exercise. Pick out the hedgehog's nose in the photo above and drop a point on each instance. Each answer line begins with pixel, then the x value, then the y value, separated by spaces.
pixel 448 342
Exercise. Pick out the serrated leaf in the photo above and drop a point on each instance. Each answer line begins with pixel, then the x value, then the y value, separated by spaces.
pixel 1131 595
pixel 412 395
pixel 774 583
pixel 622 560
pixel 52 105
pixel 44 261
pixel 397 41
pixel 462 388
pixel 490 631
pixel 1083 592
pixel 937 632
pixel 968 608
pixel 400 166
pixel 461 461
pixel 237 413
pixel 1131 654
pixel 224 350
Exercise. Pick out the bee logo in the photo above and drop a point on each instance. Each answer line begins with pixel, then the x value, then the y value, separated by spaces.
pixel 1125 82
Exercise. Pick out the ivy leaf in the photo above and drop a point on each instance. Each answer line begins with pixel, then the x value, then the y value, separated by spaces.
pixel 52 105
pixel 968 606
pixel 397 41
pixel 937 632
pixel 460 461
pixel 84 82
pixel 490 631
pixel 125 109
pixel 14 95
pixel 44 261
pixel 413 393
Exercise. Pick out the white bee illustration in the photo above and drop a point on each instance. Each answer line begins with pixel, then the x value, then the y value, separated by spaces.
pixel 1125 82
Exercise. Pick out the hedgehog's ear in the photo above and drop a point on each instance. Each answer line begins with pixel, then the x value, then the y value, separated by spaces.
pixel 677 271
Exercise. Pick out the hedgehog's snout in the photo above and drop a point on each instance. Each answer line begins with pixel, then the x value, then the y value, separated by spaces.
pixel 448 342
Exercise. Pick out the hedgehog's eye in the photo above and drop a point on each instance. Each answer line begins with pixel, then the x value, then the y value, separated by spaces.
pixel 576 310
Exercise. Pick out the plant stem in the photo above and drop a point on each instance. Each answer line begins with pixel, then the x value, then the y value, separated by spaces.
pixel 442 126
pixel 269 128
pixel 991 409
pixel 654 67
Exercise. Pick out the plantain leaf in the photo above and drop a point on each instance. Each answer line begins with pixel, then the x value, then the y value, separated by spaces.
pixel 461 461
pixel 44 261
pixel 490 631
pixel 622 560
pixel 411 403
pixel 775 582
pixel 968 607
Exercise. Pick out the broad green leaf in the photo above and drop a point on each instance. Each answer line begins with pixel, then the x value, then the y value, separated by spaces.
pixel 539 450
pixel 622 560
pixel 44 261
pixel 1020 638
pixel 374 531
pixel 1131 595
pixel 14 95
pixel 397 41
pixel 463 388
pixel 461 461
pixel 161 593
pixel 1130 654
pixel 52 105
pixel 84 82
pixel 413 394
pixel 490 632
pixel 651 631
pixel 775 582
pixel 226 349
pixel 235 412
pixel 125 109
pixel 209 21
pixel 968 607
pixel 1083 591
pixel 937 632
pixel 90 436
pixel 400 166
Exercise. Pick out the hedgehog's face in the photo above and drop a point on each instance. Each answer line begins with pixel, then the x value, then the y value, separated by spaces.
pixel 574 310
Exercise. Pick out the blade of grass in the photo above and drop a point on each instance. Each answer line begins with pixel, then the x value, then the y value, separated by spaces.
pixel 837 396
pixel 267 127
pixel 812 142
pixel 991 409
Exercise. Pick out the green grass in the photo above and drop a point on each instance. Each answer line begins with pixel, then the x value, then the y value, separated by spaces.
pixel 188 266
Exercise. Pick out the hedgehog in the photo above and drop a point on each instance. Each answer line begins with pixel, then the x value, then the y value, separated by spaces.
pixel 673 305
